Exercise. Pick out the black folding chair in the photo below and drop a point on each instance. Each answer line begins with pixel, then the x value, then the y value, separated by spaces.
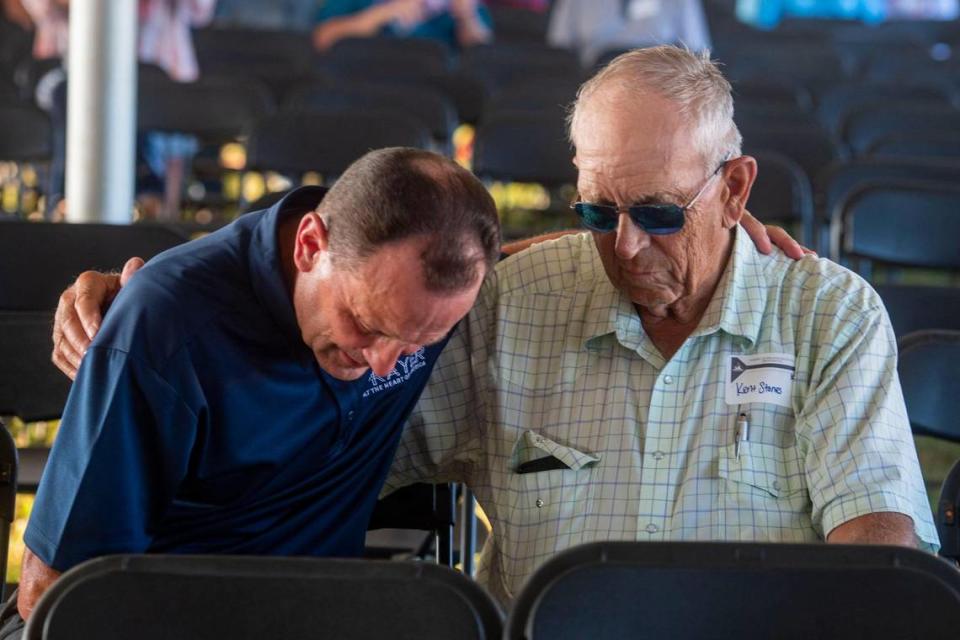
pixel 692 590
pixel 868 226
pixel 416 51
pixel 916 308
pixel 8 498
pixel 328 142
pixel 931 388
pixel 837 103
pixel 863 127
pixel 782 194
pixel 524 146
pixel 427 105
pixel 216 109
pixel 948 520
pixel 807 145
pixel 202 597
pixel 839 180
pixel 939 145
pixel 772 92
pixel 24 134
pixel 503 65
pixel 519 25
pixel 420 507
pixel 39 259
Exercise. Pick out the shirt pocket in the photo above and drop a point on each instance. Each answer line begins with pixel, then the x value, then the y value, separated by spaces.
pixel 763 491
pixel 547 509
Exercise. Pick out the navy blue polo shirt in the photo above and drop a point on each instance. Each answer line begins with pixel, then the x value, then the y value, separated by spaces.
pixel 200 422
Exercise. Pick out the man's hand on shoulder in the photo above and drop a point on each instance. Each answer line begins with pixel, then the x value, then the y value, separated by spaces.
pixel 80 312
pixel 766 236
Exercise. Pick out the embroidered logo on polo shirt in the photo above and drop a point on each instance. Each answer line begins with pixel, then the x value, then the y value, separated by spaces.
pixel 406 365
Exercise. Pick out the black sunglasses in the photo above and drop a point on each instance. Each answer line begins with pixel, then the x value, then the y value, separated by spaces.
pixel 658 219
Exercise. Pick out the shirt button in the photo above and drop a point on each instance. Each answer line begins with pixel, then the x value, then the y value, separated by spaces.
pixel 652 528
pixel 538 440
pixel 349 415
pixel 658 455
pixel 668 379
pixel 539 503
pixel 776 485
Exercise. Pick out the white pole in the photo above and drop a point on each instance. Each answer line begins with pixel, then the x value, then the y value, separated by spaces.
pixel 101 110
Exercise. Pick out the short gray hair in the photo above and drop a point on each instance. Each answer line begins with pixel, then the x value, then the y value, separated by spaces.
pixel 690 80
pixel 398 193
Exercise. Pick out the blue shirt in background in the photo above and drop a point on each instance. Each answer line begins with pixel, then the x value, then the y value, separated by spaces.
pixel 440 26
pixel 766 14
pixel 200 422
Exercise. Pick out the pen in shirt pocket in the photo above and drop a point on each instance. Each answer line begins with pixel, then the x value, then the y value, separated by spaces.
pixel 743 432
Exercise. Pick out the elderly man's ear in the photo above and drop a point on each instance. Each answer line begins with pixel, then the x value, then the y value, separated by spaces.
pixel 737 177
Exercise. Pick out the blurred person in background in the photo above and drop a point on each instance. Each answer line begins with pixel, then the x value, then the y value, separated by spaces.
pixel 165 41
pixel 457 23
pixel 767 14
pixel 591 27
pixel 282 15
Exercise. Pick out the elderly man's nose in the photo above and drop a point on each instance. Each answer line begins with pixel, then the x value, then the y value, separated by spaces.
pixel 631 239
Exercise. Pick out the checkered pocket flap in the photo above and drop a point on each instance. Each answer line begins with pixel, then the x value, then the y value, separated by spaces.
pixel 533 446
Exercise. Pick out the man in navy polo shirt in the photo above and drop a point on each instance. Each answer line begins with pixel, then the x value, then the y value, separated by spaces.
pixel 249 395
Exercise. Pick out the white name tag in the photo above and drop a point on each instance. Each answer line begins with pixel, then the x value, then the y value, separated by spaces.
pixel 763 377
pixel 642 9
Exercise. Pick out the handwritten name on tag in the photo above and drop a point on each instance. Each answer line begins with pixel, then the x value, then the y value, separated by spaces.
pixel 762 377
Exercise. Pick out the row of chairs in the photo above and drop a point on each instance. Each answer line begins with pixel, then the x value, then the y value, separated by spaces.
pixel 600 590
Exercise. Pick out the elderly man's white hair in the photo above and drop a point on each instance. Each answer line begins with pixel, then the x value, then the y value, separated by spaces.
pixel 690 80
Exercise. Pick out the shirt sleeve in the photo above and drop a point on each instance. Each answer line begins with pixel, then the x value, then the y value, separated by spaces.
pixel 442 441
pixel 122 450
pixel 859 453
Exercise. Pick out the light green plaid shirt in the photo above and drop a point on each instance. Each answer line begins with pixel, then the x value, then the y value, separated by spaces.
pixel 554 361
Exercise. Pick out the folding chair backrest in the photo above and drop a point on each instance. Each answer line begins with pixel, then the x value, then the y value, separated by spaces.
pixel 24 134
pixel 31 388
pixel 738 590
pixel 782 193
pixel 524 146
pixel 915 308
pixel 38 259
pixel 328 142
pixel 931 388
pixel 213 108
pixel 807 145
pixel 863 127
pixel 202 597
pixel 427 105
pixel 948 514
pixel 913 224
pixel 8 497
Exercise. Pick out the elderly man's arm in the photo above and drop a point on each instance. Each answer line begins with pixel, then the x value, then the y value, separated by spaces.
pixel 876 528
pixel 35 578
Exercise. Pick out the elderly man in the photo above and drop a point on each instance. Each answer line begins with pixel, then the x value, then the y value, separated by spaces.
pixel 657 378
pixel 225 406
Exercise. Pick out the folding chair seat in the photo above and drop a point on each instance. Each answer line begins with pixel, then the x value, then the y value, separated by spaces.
pixel 427 105
pixel 864 126
pixel 684 590
pixel 782 194
pixel 245 598
pixel 524 146
pixel 837 103
pixel 328 142
pixel 809 146
pixel 909 224
pixel 931 389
